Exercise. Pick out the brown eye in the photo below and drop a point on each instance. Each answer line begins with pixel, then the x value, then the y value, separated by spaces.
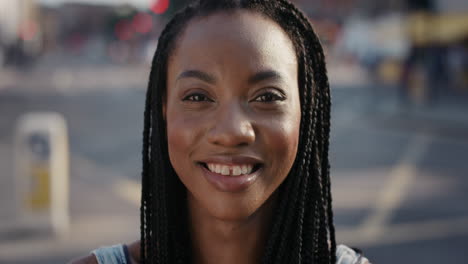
pixel 269 97
pixel 197 97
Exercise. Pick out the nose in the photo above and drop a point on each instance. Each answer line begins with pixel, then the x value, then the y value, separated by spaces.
pixel 231 127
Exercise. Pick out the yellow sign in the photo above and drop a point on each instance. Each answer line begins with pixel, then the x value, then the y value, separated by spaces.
pixel 39 196
pixel 426 28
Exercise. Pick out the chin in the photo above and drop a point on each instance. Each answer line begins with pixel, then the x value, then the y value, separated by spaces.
pixel 236 207
pixel 228 206
pixel 232 215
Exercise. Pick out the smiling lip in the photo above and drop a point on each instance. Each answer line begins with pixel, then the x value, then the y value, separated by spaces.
pixel 226 183
pixel 230 183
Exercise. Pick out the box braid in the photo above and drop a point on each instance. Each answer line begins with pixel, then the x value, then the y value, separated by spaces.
pixel 302 230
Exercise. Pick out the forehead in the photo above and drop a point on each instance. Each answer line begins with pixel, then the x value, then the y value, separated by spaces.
pixel 238 38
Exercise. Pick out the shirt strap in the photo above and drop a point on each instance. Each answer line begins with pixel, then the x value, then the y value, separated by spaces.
pixel 127 254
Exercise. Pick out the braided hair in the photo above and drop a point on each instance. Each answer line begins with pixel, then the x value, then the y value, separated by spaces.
pixel 302 230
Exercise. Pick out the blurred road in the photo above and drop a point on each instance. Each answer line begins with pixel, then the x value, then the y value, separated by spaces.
pixel 105 131
pixel 400 178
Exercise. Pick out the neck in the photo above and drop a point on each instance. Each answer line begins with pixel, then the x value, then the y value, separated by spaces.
pixel 229 241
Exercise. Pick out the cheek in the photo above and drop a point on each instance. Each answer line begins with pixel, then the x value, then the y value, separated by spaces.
pixel 182 137
pixel 281 143
pixel 285 139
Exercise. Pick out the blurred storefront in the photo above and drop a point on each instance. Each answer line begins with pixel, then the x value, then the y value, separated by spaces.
pixel 438 59
pixel 416 46
pixel 396 42
pixel 20 33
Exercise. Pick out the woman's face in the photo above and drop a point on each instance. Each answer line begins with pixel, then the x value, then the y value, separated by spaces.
pixel 232 112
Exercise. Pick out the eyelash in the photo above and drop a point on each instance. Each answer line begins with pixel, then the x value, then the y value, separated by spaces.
pixel 272 97
pixel 267 97
pixel 192 98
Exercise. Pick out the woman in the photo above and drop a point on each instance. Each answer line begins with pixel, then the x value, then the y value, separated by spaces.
pixel 235 153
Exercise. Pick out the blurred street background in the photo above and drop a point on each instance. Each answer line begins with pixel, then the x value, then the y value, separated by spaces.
pixel 399 146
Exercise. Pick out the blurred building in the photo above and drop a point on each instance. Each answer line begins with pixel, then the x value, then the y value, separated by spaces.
pixel 418 45
pixel 119 33
pixel 437 62
pixel 20 34
pixel 72 25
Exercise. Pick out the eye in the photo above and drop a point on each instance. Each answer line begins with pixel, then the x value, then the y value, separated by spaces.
pixel 269 97
pixel 197 97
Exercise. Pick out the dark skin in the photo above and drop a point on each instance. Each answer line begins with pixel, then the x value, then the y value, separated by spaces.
pixel 245 103
pixel 243 108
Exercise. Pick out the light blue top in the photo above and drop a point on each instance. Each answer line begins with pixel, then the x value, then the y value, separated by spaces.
pixel 117 255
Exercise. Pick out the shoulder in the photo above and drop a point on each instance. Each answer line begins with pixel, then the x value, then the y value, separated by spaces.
pixel 90 259
pixel 347 255
pixel 134 251
pixel 120 253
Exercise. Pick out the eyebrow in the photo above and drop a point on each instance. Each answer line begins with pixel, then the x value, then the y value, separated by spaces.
pixel 198 75
pixel 264 75
pixel 206 77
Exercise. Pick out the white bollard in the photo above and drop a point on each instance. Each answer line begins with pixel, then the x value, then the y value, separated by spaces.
pixel 42 173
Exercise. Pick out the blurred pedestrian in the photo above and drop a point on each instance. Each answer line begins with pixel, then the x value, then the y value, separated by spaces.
pixel 235 142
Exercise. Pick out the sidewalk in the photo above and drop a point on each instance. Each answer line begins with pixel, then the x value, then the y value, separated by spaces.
pixel 51 75
pixel 104 210
pixel 104 202
pixel 381 107
pixel 447 117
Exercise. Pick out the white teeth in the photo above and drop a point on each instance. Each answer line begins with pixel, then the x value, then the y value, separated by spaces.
pixel 230 170
pixel 236 171
pixel 211 167
pixel 218 168
pixel 225 170
pixel 249 168
pixel 244 169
